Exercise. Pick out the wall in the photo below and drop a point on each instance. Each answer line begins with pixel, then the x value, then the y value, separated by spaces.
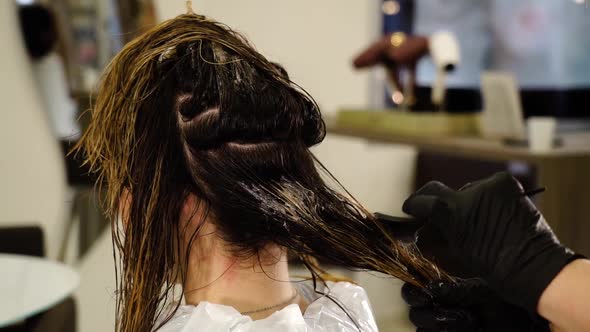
pixel 32 174
pixel 95 297
pixel 314 40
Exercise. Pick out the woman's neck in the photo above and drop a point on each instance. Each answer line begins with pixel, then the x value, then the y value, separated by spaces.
pixel 215 275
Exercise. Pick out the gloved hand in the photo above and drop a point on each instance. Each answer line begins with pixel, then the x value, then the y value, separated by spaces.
pixel 497 231
pixel 468 305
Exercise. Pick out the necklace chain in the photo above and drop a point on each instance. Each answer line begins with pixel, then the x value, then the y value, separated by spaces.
pixel 289 301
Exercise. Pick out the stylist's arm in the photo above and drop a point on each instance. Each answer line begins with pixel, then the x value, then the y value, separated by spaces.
pixel 504 238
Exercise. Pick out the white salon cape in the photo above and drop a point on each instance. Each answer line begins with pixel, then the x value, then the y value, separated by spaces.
pixel 322 314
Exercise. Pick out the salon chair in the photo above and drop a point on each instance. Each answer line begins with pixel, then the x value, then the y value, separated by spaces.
pixel 59 318
pixel 29 240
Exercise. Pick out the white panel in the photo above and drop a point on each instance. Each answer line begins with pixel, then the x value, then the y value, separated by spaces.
pixel 379 175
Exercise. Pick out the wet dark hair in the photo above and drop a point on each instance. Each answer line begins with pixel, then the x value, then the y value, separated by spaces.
pixel 39 30
pixel 190 107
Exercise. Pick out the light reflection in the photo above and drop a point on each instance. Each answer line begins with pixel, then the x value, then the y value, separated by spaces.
pixel 390 7
pixel 397 97
pixel 397 39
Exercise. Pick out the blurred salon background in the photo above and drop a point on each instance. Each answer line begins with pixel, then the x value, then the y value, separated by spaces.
pixel 411 90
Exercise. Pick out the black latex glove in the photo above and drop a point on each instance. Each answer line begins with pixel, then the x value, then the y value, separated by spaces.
pixel 497 232
pixel 468 305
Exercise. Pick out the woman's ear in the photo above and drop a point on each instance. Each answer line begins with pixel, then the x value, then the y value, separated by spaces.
pixel 125 206
pixel 194 220
pixel 193 213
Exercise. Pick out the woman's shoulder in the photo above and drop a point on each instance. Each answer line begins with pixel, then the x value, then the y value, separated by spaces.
pixel 343 304
pixel 342 290
pixel 335 306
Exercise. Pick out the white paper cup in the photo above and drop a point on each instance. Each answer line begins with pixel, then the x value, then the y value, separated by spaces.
pixel 541 132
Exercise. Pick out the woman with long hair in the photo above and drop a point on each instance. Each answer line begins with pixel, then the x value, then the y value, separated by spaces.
pixel 202 146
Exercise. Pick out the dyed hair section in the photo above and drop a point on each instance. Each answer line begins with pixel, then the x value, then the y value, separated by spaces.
pixel 190 107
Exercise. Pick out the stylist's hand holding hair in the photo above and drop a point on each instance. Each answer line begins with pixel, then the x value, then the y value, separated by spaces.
pixel 498 231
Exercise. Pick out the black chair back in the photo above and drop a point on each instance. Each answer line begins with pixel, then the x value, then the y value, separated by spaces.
pixel 27 240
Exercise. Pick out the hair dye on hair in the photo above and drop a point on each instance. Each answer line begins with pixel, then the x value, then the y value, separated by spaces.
pixel 190 107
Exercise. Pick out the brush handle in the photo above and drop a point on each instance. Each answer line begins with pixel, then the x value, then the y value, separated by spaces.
pixel 403 228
